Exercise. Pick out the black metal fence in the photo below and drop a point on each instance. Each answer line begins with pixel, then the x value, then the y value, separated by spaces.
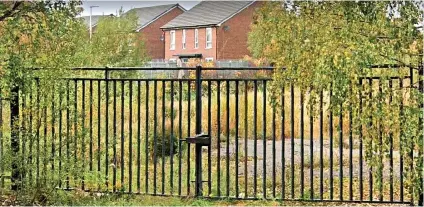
pixel 138 135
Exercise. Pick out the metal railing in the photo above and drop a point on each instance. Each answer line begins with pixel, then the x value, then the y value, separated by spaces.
pixel 127 135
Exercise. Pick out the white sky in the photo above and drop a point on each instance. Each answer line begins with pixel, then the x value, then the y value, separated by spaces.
pixel 111 7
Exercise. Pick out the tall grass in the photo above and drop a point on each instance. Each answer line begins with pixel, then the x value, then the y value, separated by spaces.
pixel 118 131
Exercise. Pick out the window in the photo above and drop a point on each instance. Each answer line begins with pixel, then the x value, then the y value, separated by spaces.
pixel 209 59
pixel 208 38
pixel 184 38
pixel 172 45
pixel 196 38
pixel 172 60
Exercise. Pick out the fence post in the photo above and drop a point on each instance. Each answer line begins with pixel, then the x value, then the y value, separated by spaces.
pixel 198 182
pixel 421 89
pixel 107 74
pixel 14 142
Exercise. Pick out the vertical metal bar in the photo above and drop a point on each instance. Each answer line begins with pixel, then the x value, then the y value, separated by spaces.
pixel 1 139
pixel 246 125
pixel 122 136
pixel 370 170
pixel 302 144
pixel 130 153
pixel 68 129
pixel 163 136
pixel 14 141
pixel 24 135
pixel 264 139
pixel 75 126
pixel 292 137
pixel 171 170
pixel 45 151
pixel 99 97
pixel 180 132
pixel 31 141
pixel 210 136
pixel 331 142
pixel 227 142
pixel 311 148
pixel 380 135
pixel 107 131
pixel 139 135
pixel 146 144
pixel 91 126
pixel 218 137
pixel 60 133
pixel 115 135
pixel 341 153
pixel 155 106
pixel 411 152
pixel 361 162
pixel 237 138
pixel 420 123
pixel 350 146
pixel 83 134
pixel 273 151
pixel 38 134
pixel 53 128
pixel 401 114
pixel 283 145
pixel 391 145
pixel 321 144
pixel 255 137
pixel 199 181
pixel 188 134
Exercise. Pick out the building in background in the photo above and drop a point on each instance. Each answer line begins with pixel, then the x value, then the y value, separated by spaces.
pixel 211 31
pixel 150 19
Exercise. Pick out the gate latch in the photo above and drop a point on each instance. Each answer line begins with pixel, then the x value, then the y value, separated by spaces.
pixel 200 139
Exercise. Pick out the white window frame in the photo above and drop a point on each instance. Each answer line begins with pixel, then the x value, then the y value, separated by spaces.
pixel 184 39
pixel 209 59
pixel 208 30
pixel 196 38
pixel 172 40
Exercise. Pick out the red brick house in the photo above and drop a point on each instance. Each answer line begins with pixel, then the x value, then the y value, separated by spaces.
pixel 150 19
pixel 211 30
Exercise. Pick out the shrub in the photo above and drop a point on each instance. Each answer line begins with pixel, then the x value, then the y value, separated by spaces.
pixel 163 142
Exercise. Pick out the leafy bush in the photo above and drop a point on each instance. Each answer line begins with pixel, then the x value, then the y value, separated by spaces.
pixel 163 143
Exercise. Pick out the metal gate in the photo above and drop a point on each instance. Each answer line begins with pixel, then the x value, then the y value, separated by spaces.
pixel 203 135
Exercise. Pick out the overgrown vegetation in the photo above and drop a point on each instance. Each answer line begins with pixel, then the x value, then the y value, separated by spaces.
pixel 44 39
pixel 331 45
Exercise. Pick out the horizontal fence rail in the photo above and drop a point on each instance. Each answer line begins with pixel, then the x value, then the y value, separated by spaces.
pixel 130 135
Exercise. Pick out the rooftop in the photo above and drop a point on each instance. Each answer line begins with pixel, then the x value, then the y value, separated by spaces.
pixel 146 15
pixel 207 13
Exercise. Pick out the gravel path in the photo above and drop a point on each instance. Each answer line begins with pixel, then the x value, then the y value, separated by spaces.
pixel 297 158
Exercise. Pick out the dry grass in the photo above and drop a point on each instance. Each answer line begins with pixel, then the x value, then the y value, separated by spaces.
pixel 88 135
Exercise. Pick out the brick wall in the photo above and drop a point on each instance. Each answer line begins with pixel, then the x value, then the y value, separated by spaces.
pixel 207 53
pixel 152 33
pixel 232 44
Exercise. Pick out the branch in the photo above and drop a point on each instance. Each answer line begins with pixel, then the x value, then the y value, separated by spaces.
pixel 392 58
pixel 10 12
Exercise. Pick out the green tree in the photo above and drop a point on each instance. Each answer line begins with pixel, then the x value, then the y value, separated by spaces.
pixel 323 44
pixel 114 43
pixel 44 40
pixel 38 34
